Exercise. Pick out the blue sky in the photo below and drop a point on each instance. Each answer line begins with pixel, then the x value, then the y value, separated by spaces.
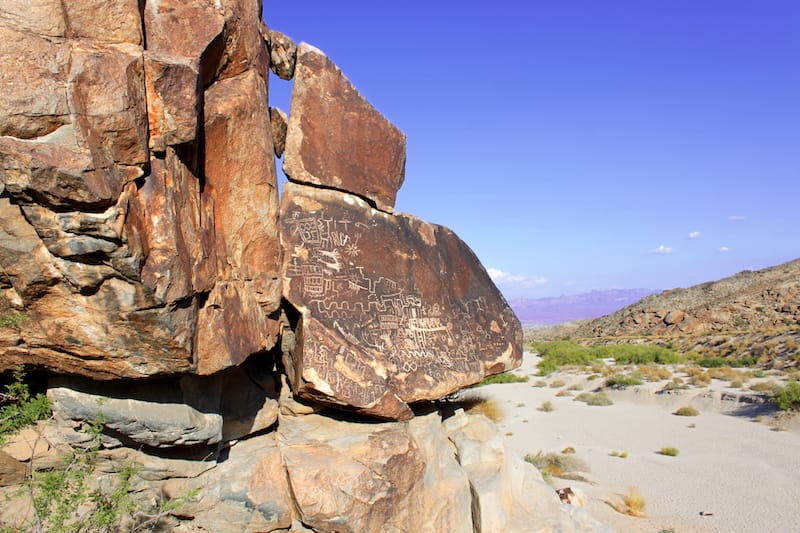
pixel 581 145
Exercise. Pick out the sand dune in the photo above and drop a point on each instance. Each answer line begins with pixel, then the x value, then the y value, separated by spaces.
pixel 733 473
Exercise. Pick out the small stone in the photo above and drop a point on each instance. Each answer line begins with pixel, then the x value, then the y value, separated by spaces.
pixel 278 123
pixel 282 54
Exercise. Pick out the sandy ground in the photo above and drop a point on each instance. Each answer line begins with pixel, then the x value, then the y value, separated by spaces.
pixel 734 473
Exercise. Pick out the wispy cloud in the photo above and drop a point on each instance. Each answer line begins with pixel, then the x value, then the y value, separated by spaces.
pixel 661 250
pixel 724 249
pixel 506 279
pixel 736 218
pixel 695 235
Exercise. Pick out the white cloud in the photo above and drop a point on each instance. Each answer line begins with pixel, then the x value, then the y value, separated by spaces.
pixel 694 235
pixel 661 250
pixel 514 280
pixel 724 249
pixel 736 218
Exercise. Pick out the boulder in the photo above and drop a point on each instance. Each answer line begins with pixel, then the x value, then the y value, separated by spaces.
pixel 337 139
pixel 391 310
pixel 355 476
pixel 282 53
pixel 278 123
pixel 675 316
pixel 190 411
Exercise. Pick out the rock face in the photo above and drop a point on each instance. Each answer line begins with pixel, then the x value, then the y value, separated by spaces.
pixel 337 139
pixel 393 310
pixel 133 232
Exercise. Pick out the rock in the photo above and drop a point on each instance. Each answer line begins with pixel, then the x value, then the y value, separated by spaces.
pixel 337 139
pixel 282 53
pixel 25 445
pixel 508 493
pixel 173 95
pixel 241 189
pixel 12 471
pixel 392 310
pixel 248 492
pixel 349 477
pixel 674 316
pixel 162 413
pixel 278 123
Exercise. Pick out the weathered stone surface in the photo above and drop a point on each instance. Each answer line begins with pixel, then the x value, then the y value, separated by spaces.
pixel 172 100
pixel 188 411
pixel 282 53
pixel 392 310
pixel 12 471
pixel 241 189
pixel 337 139
pixel 675 316
pixel 278 123
pixel 184 28
pixel 398 476
pixel 248 492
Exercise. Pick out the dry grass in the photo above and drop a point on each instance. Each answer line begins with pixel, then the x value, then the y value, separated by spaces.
pixel 488 407
pixel 557 383
pixel 687 411
pixel 597 399
pixel 547 407
pixel 669 451
pixel 561 465
pixel 563 393
pixel 632 503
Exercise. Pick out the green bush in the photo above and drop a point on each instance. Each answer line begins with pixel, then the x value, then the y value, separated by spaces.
pixel 788 397
pixel 11 319
pixel 505 377
pixel 669 450
pixel 596 399
pixel 21 409
pixel 561 353
pixel 733 362
pixel 623 381
pixel 687 411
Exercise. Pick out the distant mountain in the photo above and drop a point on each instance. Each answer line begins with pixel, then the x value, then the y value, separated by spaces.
pixel 574 306
pixel 767 299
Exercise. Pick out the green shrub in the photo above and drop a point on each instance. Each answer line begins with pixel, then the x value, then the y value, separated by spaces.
pixel 639 354
pixel 733 362
pixel 11 319
pixel 669 450
pixel 561 353
pixel 687 411
pixel 505 377
pixel 21 408
pixel 596 399
pixel 623 381
pixel 556 464
pixel 788 397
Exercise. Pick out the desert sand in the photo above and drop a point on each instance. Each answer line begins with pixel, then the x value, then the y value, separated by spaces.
pixel 734 471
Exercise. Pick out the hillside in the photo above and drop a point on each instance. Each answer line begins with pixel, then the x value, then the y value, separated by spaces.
pixel 555 310
pixel 767 299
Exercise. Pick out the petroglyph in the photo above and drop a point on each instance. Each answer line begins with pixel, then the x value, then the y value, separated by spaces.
pixel 382 309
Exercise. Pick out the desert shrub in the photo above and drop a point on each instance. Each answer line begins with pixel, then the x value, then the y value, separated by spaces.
pixel 568 450
pixel 634 502
pixel 736 384
pixel 505 377
pixel 788 397
pixel 547 407
pixel 540 383
pixel 764 386
pixel 614 453
pixel 596 399
pixel 488 407
pixel 734 362
pixel 556 383
pixel 563 393
pixel 575 387
pixel 592 377
pixel 556 464
pixel 561 353
pixel 622 381
pixel 672 386
pixel 623 455
pixel 638 354
pixel 669 451
pixel 687 411
pixel 700 379
pixel 654 373
pixel 21 408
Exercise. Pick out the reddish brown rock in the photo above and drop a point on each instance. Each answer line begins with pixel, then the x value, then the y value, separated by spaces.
pixel 282 53
pixel 278 122
pixel 393 310
pixel 674 316
pixel 172 101
pixel 337 139
pixel 241 190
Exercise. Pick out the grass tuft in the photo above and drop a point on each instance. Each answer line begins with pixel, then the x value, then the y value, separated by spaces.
pixel 505 377
pixel 687 411
pixel 669 451
pixel 595 399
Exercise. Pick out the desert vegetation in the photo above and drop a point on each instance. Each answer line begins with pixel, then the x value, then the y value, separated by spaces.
pixel 505 377
pixel 560 465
